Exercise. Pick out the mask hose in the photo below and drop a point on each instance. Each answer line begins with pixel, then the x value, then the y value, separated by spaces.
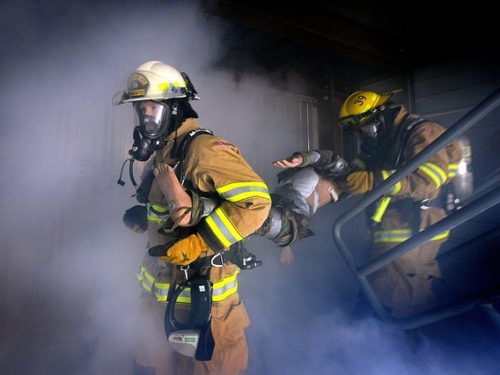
pixel 130 171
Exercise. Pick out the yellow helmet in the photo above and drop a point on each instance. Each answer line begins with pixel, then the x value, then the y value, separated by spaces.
pixel 360 106
pixel 153 80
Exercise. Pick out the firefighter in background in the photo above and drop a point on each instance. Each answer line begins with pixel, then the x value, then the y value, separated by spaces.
pixel 211 166
pixel 389 137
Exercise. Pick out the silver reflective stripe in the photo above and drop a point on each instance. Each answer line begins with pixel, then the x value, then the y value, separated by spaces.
pixel 220 225
pixel 224 288
pixel 300 203
pixel 274 224
pixel 315 155
pixel 244 189
pixel 238 191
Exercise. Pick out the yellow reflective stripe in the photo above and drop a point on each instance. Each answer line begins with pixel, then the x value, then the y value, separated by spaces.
pixel 164 86
pixel 161 293
pixel 250 194
pixel 239 191
pixel 221 289
pixel 148 281
pixel 452 170
pixel 157 213
pixel 140 274
pixel 441 236
pixel 436 174
pixel 401 235
pixel 185 296
pixel 394 235
pixel 381 208
pixel 160 289
pixel 224 288
pixel 222 227
pixel 397 186
pixel 159 209
pixel 155 219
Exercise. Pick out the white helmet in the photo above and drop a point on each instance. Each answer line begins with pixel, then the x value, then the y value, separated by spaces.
pixel 153 80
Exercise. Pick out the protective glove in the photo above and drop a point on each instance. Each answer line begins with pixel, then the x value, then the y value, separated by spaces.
pixel 181 252
pixel 358 182
pixel 241 257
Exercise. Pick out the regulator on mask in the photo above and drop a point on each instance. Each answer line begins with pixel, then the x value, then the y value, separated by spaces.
pixel 371 134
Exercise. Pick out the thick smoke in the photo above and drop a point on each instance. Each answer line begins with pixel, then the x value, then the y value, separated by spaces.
pixel 69 295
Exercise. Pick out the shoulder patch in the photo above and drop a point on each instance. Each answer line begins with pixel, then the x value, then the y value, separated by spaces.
pixel 218 144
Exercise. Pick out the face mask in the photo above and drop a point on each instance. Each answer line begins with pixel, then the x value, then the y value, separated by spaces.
pixel 151 119
pixel 370 137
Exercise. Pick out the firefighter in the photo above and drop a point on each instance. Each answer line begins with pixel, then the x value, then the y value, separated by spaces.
pixel 389 137
pixel 189 232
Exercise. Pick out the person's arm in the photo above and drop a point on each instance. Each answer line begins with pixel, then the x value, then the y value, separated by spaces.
pixel 179 201
pixel 286 257
pixel 326 161
pixel 216 166
pixel 244 197
pixel 421 183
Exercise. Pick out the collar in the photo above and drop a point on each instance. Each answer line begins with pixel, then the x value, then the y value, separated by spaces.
pixel 187 125
pixel 164 154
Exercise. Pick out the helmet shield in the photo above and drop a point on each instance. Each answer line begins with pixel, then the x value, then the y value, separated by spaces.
pixel 354 122
pixel 152 118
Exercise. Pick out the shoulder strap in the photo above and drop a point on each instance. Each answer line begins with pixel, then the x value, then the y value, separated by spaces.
pixel 184 147
pixel 186 142
pixel 405 136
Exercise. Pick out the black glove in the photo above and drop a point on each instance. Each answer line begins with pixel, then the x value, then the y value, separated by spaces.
pixel 241 257
pixel 338 167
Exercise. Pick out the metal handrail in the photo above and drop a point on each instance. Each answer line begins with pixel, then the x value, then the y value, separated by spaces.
pixel 472 209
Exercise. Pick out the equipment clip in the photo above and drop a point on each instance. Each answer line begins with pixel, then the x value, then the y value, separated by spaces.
pixel 221 257
pixel 185 270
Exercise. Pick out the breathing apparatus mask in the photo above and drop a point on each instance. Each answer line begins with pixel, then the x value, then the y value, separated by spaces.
pixel 371 127
pixel 151 120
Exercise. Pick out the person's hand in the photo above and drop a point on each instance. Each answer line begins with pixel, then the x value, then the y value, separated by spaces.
pixel 182 252
pixel 286 257
pixel 290 162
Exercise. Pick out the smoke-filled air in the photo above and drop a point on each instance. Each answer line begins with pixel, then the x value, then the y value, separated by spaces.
pixel 69 295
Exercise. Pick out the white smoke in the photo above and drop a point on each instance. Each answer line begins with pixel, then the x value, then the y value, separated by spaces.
pixel 69 295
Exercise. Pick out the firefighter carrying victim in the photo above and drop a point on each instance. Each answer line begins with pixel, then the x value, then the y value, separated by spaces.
pixel 219 201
